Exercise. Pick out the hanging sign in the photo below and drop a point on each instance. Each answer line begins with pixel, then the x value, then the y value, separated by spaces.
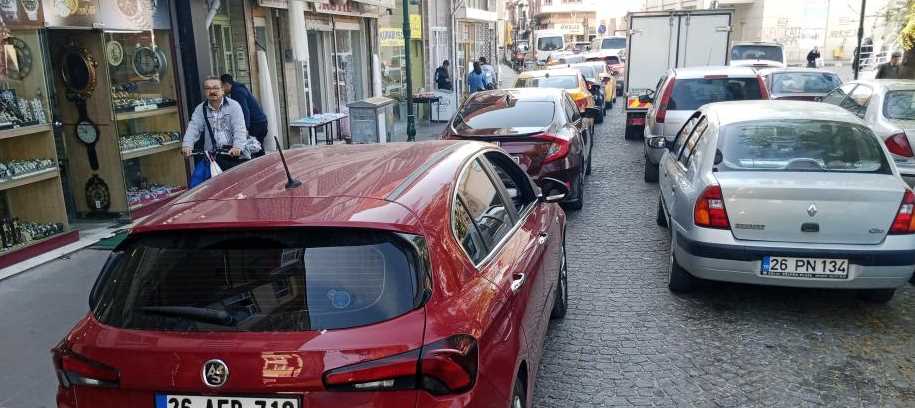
pixel 391 37
pixel 572 29
pixel 416 26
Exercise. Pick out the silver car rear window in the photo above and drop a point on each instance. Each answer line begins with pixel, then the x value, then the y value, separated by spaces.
pixel 899 105
pixel 690 94
pixel 800 145
pixel 804 82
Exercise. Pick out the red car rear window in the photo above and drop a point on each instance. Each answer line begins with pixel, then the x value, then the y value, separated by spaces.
pixel 277 280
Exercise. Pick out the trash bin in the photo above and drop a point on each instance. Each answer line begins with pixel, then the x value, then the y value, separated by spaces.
pixel 371 120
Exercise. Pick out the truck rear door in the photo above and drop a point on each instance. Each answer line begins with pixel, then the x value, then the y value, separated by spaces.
pixel 652 50
pixel 704 39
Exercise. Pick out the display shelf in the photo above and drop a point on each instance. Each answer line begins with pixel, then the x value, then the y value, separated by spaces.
pixel 29 179
pixel 145 114
pixel 37 247
pixel 25 130
pixel 146 151
pixel 146 208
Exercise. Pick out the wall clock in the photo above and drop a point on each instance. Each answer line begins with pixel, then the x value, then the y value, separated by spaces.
pixel 148 61
pixel 23 59
pixel 87 133
pixel 98 197
pixel 115 53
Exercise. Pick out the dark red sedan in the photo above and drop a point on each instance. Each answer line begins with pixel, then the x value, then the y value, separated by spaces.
pixel 541 128
pixel 398 275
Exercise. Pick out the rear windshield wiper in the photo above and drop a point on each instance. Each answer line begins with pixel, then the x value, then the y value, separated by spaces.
pixel 220 317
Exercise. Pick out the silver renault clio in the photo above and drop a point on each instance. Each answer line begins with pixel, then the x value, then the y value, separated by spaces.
pixel 785 193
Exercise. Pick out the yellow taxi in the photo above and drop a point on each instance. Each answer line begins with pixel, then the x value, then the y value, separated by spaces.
pixel 565 78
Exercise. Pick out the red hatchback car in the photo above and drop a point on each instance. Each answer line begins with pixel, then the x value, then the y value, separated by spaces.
pixel 541 128
pixel 398 275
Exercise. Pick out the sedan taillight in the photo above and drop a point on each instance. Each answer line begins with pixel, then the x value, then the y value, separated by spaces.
pixel 904 223
pixel 709 211
pixel 898 144
pixel 75 369
pixel 559 147
pixel 448 366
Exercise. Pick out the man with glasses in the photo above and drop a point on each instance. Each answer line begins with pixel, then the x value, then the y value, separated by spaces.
pixel 217 125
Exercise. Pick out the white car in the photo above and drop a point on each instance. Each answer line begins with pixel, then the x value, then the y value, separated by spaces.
pixel 785 193
pixel 888 107
pixel 758 54
pixel 683 90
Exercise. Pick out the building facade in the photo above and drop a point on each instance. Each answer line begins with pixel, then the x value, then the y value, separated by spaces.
pixel 830 25
pixel 577 18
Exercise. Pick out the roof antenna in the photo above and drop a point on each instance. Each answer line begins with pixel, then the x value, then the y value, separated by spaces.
pixel 290 182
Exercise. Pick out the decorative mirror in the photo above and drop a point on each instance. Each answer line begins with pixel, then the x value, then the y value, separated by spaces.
pixel 149 62
pixel 78 71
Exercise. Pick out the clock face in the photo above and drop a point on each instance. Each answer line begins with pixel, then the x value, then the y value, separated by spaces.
pixel 115 53
pixel 19 65
pixel 86 132
pixel 145 62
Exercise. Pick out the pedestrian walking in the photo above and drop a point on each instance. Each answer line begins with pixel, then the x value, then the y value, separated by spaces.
pixel 255 119
pixel 489 72
pixel 476 79
pixel 443 77
pixel 812 57
pixel 890 70
pixel 217 127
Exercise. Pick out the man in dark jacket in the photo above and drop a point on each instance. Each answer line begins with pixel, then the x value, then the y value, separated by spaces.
pixel 255 119
pixel 890 70
pixel 443 77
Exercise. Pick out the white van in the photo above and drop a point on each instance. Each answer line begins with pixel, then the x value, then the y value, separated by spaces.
pixel 611 46
pixel 547 42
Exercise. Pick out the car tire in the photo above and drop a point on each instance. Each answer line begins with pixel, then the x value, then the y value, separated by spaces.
pixel 876 295
pixel 518 394
pixel 662 217
pixel 579 201
pixel 651 171
pixel 561 304
pixel 679 280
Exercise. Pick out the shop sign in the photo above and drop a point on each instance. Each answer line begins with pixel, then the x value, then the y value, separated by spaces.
pixel 17 13
pixel 134 14
pixel 572 29
pixel 391 37
pixel 416 26
pixel 70 13
pixel 348 8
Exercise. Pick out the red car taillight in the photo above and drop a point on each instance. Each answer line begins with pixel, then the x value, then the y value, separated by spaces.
pixel 904 223
pixel 448 366
pixel 74 369
pixel 899 145
pixel 709 211
pixel 559 147
pixel 665 99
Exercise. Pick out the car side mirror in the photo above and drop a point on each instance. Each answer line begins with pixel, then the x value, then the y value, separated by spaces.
pixel 645 99
pixel 552 190
pixel 659 142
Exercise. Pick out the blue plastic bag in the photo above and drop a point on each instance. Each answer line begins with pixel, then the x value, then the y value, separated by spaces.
pixel 201 172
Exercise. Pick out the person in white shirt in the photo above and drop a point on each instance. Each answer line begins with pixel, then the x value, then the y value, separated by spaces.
pixel 489 72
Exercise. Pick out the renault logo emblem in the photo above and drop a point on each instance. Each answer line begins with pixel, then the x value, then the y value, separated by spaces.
pixel 215 373
pixel 812 210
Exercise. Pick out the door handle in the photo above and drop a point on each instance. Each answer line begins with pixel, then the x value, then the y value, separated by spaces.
pixel 541 239
pixel 518 280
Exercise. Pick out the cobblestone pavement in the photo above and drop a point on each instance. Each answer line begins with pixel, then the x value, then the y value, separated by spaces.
pixel 627 341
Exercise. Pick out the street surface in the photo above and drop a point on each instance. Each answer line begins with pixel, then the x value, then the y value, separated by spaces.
pixel 626 341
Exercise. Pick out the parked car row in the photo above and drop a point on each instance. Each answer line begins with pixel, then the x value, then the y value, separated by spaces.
pixel 784 177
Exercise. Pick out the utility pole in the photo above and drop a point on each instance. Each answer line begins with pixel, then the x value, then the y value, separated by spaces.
pixel 860 38
pixel 411 116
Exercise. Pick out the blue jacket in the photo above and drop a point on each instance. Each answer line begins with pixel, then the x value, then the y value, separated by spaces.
pixel 249 106
pixel 476 82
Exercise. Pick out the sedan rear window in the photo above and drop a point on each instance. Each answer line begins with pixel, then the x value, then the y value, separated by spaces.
pixel 552 81
pixel 804 82
pixel 690 94
pixel 260 281
pixel 899 105
pixel 506 114
pixel 800 145
pixel 613 43
pixel 756 52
